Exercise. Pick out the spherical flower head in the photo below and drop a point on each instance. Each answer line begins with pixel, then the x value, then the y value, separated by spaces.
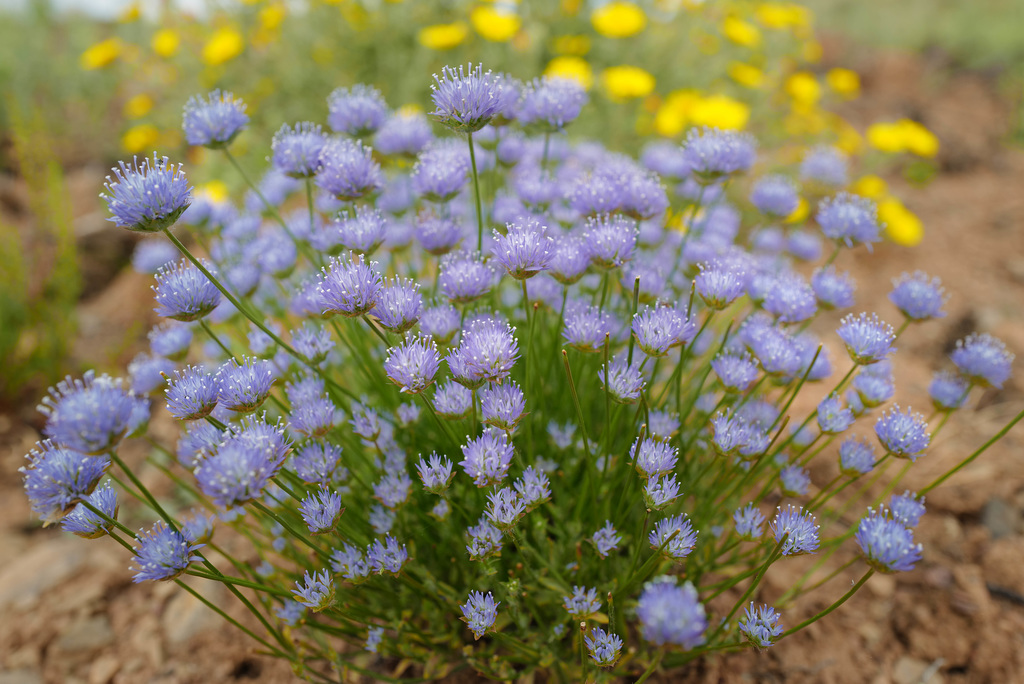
pixel 440 322
pixel 887 545
pixel 489 350
pixel 653 457
pixel 790 298
pixel 569 259
pixel 436 473
pixel 502 406
pixel 437 235
pixel 348 171
pixel 524 250
pixel 773 347
pixel 381 519
pixel 162 553
pixel 749 522
pixel 243 463
pixel 373 638
pixel 214 120
pixel 317 462
pixel 388 557
pixel 736 372
pixel 452 400
pixel 350 563
pixel 243 387
pixel 480 612
pixel 983 360
pixel 57 478
pixel 833 290
pixel 399 306
pixel 465 99
pixel 357 112
pixel 712 153
pixel 349 286
pixel 603 647
pixel 948 391
pixel 405 133
pixel 903 433
pixel 583 603
pixel 760 626
pixel 315 591
pixel 393 489
pixel 551 103
pixel 868 339
pixel 88 525
pixel 671 615
pixel 775 196
pixel 663 424
pixel 606 539
pixel 721 283
pixel 198 527
pixel 321 511
pixel 907 508
pixel 91 414
pixel 660 491
pixel 147 197
pixel 624 381
pixel 657 329
pixel 833 417
pixel 849 219
pixel 800 531
pixel 856 457
pixel 918 297
pixel 825 165
pixel 487 458
pixel 465 277
pixel 586 327
pixel 407 414
pixel 794 481
pixel 191 394
pixel 484 540
pixel 413 364
pixel 442 170
pixel 505 508
pixel 362 232
pixel 610 240
pixel 150 255
pixel 184 293
pixel 296 151
pixel 678 546
pixel 730 433
pixel 290 612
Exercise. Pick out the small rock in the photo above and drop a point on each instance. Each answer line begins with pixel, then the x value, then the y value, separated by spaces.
pixel 186 616
pixel 103 669
pixel 86 634
pixel 1000 518
pixel 38 570
pixel 913 671
pixel 20 677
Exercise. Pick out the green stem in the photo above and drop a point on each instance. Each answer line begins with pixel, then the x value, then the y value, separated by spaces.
pixel 977 452
pixel 843 599
pixel 476 190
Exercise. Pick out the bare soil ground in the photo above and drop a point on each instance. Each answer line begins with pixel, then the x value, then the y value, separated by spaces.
pixel 70 613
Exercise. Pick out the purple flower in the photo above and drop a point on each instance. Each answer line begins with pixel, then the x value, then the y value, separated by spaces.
pixel 903 433
pixel 887 545
pixel 603 647
pixel 387 557
pixel 88 525
pixel 582 604
pixel 296 152
pixel 826 165
pixel 660 492
pixel 760 625
pixel 799 529
pixel 243 463
pixel 213 121
pixel 653 457
pixel 681 545
pixel 659 328
pixel 348 171
pixel 315 591
pixel 775 196
pixel 464 277
pixel 399 306
pixel 712 153
pixel 833 417
pixel 736 372
pixel 484 540
pixel 442 170
pixel 318 462
pixel 321 510
pixel 983 360
pixel 907 508
pixel 948 391
pixel 487 458
pixel 162 553
pixel 720 283
pixel 790 298
pixel 874 384
pixel 569 259
pixel 350 563
pixel 147 197
pixel 438 235
pixel 849 219
pixel 749 522
pixel 373 638
pixel 413 364
pixel 349 286
pixel 868 339
pixel 150 255
pixel 184 293
pixel 624 381
pixel 199 439
pixel 505 508
pixel 524 250
pixel 452 400
pixel 404 133
pixel 357 112
pixel 671 615
pixel 610 240
pixel 502 406
pixel 192 394
pixel 834 290
pixel 551 103
pixel 244 387
pixel 918 297
pixel 856 457
pixel 480 612
pixel 466 100
pixel 312 341
pixel 362 232
pixel 488 351
pixel 794 481
pixel 586 327
pixel 436 473
pixel 57 478
pixel 393 489
pixel 440 322
pixel 663 424
pixel 89 415
pixel 606 539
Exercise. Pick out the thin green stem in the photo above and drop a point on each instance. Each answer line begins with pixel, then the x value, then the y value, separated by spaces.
pixel 476 191
pixel 843 599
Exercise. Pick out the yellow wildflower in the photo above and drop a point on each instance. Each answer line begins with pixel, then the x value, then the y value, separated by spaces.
pixel 811 51
pixel 673 115
pixel 870 186
pixel 781 15
pixel 571 67
pixel 572 45
pixel 902 226
pixel 741 32
pixel 271 16
pixel 443 36
pixel 626 82
pixel 800 214
pixel 165 42
pixel 571 8
pixel 746 74
pixel 222 46
pixel 494 24
pixel 849 140
pixel 919 139
pixel 720 111
pixel 101 54
pixel 887 137
pixel 130 14
pixel 216 191
pixel 844 82
pixel 138 106
pixel 619 19
pixel 803 88
pixel 141 138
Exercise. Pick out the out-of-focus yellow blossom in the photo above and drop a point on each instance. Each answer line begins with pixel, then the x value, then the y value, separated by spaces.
pixel 272 16
pixel 844 82
pixel 494 24
pixel 571 67
pixel 619 19
pixel 811 51
pixel 571 8
pixel 887 137
pixel 720 111
pixel 903 136
pixel 443 36
pixel 674 113
pixel 131 13
pixel 572 45
pixel 746 74
pixel 626 82
pixel 101 54
pixel 138 106
pixel 165 42
pixel 902 226
pixel 782 15
pixel 803 88
pixel 741 32
pixel 848 140
pixel 141 138
pixel 222 46
pixel 215 191
pixel 800 214
pixel 870 186
pixel 919 139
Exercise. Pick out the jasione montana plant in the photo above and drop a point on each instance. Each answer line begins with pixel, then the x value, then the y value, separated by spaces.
pixel 499 401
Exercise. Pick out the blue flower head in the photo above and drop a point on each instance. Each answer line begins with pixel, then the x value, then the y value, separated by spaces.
pixel 191 394
pixel 162 553
pixel 524 250
pixel 244 462
pixel 849 219
pixel 834 290
pixel 887 545
pixel 569 259
pixel 983 360
pixel 147 197
pixel 603 647
pixel 907 508
pixel 660 491
pixel 833 417
pixel 358 112
pixel 502 406
pixel 437 235
pixel 435 472
pixel 948 391
pixel 794 481
pixel 653 457
pixel 214 120
pixel 441 171
pixel 290 612
pixel 868 339
pixel 610 240
pixel 775 196
pixel 657 329
pixel 480 612
pixel 720 283
pixel 243 387
pixel 150 255
pixel 749 522
pixel 585 327
pixel 681 544
pixel 57 478
pixel 317 462
pixel 736 372
pixel 760 625
pixel 84 523
pixel 400 305
pixel 465 277
pixel 405 133
pixel 488 352
pixel 799 529
pixel 505 508
pixel 350 563
pixel 386 557
pixel 321 510
pixel 91 414
pixel 606 539
pixel 183 293
pixel 712 153
pixel 825 165
pixel 296 151
pixel 903 433
pixel 856 457
pixel 487 458
pixel 413 364
pixel 349 286
pixel 625 381
pixel 315 591
pixel 362 232
pixel 671 615
pixel 373 639
pixel 918 297
pixel 583 603
pixel 466 99
pixel 348 171
pixel 452 400
pixel 551 103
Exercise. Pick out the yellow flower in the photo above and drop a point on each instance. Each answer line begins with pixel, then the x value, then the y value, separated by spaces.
pixel 165 42
pixel 619 19
pixel 673 115
pixel 141 138
pixel 571 8
pixel 271 16
pixel 216 191
pixel 919 139
pixel 870 186
pixel 887 137
pixel 811 51
pixel 720 111
pixel 572 45
pixel 849 140
pixel 571 67
pixel 741 32
pixel 781 15
pixel 803 88
pixel 902 226
pixel 800 214
pixel 443 36
pixel 843 81
pixel 746 74
pixel 138 106
pixel 224 45
pixel 101 54
pixel 626 82
pixel 131 13
pixel 496 25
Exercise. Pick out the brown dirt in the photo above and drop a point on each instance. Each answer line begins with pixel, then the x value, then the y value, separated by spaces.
pixel 72 615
